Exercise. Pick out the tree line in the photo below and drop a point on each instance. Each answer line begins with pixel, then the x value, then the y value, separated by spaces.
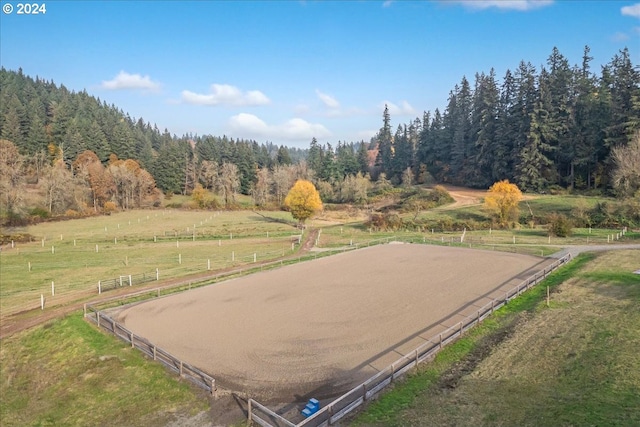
pixel 556 126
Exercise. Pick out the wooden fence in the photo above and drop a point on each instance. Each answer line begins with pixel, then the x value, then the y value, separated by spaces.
pixel 185 370
pixel 343 405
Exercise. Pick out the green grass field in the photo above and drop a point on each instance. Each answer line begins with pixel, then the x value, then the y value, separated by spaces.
pixel 76 254
pixel 67 373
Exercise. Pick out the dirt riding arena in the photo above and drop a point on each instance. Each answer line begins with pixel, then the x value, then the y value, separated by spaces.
pixel 321 327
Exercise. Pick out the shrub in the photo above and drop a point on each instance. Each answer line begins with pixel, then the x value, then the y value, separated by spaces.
pixel 560 225
pixel 385 221
pixel 440 195
pixel 39 212
pixel 14 219
pixel 110 207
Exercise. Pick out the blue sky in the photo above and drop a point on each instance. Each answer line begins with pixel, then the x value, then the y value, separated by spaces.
pixel 287 71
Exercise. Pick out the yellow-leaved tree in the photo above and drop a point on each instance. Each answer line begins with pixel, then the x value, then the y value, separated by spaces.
pixel 503 199
pixel 303 200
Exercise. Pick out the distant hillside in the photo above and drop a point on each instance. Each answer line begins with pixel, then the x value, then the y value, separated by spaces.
pixel 39 116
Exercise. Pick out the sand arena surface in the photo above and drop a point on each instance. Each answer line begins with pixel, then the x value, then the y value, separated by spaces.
pixel 321 327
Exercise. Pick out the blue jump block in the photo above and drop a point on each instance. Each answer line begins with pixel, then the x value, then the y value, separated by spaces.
pixel 311 408
pixel 314 403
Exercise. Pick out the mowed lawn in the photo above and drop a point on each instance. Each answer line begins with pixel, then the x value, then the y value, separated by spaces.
pixel 574 363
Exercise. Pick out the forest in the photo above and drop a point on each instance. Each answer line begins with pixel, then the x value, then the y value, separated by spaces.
pixel 547 128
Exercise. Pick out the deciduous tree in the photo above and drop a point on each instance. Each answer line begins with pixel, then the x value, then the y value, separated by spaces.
pixel 11 176
pixel 626 175
pixel 228 182
pixel 303 200
pixel 502 199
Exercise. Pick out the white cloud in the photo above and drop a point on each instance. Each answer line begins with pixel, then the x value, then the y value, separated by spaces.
pixel 387 3
pixel 223 94
pixel 328 100
pixel 620 37
pixel 404 109
pixel 247 125
pixel 633 10
pixel 125 80
pixel 521 5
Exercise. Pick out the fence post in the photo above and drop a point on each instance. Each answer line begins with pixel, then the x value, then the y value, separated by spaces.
pixel 132 344
pixel 154 352
pixel 364 392
pixel 461 328
pixel 249 412
pixel 130 281
pixel 98 318
pixel 157 274
pixel 181 368
pixel 440 341
pixel 417 358
pixel 99 287
pixel 84 309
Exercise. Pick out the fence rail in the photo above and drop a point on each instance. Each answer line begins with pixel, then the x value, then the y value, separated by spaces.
pixel 343 405
pixel 185 370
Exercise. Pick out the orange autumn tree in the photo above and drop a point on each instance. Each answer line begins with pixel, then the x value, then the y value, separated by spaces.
pixel 503 199
pixel 303 200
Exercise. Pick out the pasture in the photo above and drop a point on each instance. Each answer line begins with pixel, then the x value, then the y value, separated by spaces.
pixel 319 328
pixel 75 255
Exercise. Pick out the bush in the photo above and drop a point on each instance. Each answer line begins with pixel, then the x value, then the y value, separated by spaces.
pixel 39 212
pixel 385 221
pixel 14 219
pixel 110 207
pixel 440 195
pixel 560 225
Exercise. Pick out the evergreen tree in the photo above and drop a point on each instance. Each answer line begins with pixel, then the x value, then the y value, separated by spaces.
pixel 461 148
pixel 484 120
pixel 506 131
pixel 314 157
pixel 385 144
pixel 624 89
pixel 559 81
pixel 363 158
pixel 533 167
pixel 283 157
